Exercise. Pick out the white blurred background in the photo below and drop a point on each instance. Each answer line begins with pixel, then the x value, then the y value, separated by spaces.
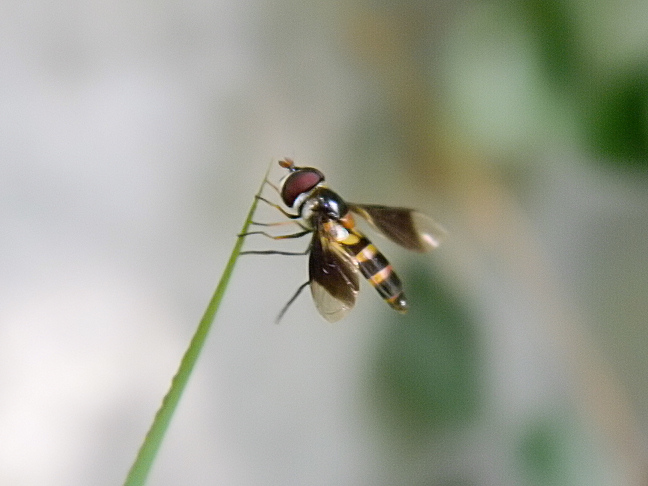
pixel 133 136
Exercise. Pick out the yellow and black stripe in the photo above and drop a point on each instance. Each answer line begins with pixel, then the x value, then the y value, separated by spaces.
pixel 372 264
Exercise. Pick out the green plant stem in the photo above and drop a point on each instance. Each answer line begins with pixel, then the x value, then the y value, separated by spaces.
pixel 146 455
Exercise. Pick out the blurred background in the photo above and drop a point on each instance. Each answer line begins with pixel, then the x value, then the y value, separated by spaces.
pixel 133 136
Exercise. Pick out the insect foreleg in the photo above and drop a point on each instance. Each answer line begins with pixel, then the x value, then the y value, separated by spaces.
pixel 267 181
pixel 279 208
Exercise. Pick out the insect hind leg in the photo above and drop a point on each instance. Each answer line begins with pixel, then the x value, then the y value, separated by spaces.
pixel 292 299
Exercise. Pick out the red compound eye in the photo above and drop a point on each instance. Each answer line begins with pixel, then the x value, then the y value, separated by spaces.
pixel 298 182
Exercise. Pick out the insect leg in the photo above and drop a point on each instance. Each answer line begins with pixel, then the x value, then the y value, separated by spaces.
pixel 279 208
pixel 292 299
pixel 268 182
pixel 279 223
pixel 280 237
pixel 273 252
pixel 273 186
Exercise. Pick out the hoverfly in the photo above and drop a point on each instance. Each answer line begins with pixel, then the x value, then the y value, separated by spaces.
pixel 338 250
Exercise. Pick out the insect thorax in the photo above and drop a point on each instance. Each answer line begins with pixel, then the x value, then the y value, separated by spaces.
pixel 322 204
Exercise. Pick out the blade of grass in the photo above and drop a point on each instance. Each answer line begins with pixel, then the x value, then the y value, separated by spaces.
pixel 146 455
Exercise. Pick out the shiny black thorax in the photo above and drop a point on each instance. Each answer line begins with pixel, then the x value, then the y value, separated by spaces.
pixel 322 204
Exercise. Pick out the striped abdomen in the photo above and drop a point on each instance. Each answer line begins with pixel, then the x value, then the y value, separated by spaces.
pixel 373 265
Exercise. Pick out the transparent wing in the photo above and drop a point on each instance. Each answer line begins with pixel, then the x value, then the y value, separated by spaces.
pixel 333 278
pixel 410 229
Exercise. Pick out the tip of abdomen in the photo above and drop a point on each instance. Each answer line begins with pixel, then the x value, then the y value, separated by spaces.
pixel 398 303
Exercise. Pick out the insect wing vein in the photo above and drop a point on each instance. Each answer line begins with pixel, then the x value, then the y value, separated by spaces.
pixel 408 228
pixel 333 277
